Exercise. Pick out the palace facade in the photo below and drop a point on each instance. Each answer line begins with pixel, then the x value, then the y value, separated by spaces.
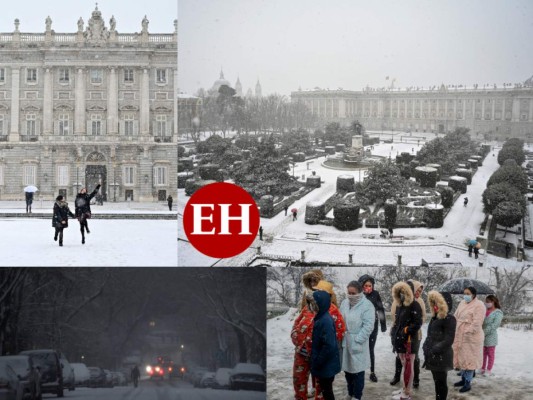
pixel 499 112
pixel 93 106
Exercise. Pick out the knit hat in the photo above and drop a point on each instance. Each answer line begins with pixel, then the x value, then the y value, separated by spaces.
pixel 328 287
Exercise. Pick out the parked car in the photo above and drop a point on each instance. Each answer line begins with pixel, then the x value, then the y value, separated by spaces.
pixel 69 381
pixel 28 374
pixel 50 367
pixel 246 376
pixel 118 378
pixel 98 378
pixel 10 386
pixel 108 378
pixel 208 380
pixel 222 378
pixel 197 374
pixel 81 374
pixel 126 372
pixel 178 372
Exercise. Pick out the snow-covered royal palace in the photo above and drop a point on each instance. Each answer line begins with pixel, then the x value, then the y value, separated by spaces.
pixel 93 106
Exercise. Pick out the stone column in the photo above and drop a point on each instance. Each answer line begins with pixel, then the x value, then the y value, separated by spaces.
pixel 492 116
pixel 530 109
pixel 516 109
pixel 15 106
pixel 145 102
pixel 483 109
pixel 112 103
pixel 79 109
pixel 48 102
pixel 175 126
pixel 503 109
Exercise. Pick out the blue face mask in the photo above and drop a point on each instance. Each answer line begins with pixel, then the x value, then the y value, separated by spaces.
pixel 467 298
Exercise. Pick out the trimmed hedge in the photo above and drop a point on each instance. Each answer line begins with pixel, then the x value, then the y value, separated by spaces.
pixel 314 212
pixel 183 177
pixel 465 173
pixel 345 183
pixel 346 217
pixel 330 149
pixel 391 212
pixel 313 181
pixel 192 185
pixel 458 183
pixel 434 215
pixel 208 171
pixel 446 195
pixel 427 176
pixel 266 204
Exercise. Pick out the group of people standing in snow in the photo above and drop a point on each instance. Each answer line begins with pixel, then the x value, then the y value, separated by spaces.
pixel 82 213
pixel 330 338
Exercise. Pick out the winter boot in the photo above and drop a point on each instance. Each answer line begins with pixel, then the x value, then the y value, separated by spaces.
pixel 55 237
pixel 416 379
pixel 465 388
pixel 397 372
pixel 61 244
pixel 462 382
pixel 373 377
pixel 87 227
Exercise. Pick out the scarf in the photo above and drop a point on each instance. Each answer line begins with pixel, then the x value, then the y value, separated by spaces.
pixel 354 299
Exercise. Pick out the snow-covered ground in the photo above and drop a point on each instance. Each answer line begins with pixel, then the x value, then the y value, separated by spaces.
pixel 513 369
pixel 143 243
pixel 159 393
pixel 284 237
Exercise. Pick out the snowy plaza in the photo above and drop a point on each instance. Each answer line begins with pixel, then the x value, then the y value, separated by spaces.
pixel 287 239
pixel 112 242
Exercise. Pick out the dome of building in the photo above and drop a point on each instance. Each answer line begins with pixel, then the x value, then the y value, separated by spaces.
pixel 218 83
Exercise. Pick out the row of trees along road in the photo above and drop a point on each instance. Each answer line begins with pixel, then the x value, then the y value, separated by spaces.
pixel 504 195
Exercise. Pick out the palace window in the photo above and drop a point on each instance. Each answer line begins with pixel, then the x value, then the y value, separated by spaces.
pixel 64 126
pixel 97 76
pixel 64 76
pixel 161 75
pixel 28 174
pixel 128 75
pixel 160 125
pixel 129 178
pixel 128 125
pixel 160 175
pixel 62 175
pixel 2 75
pixel 31 124
pixel 2 125
pixel 96 125
pixel 31 75
pixel 524 117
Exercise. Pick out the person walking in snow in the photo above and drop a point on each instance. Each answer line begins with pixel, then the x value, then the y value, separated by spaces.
pixel 60 218
pixel 491 323
pixel 367 282
pixel 507 250
pixel 438 353
pixel 465 202
pixel 325 360
pixel 407 323
pixel 286 208
pixel 469 338
pixel 359 315
pixel 169 202
pixel 83 209
pixel 29 201
pixel 135 375
pixel 476 251
pixel 294 214
pixel 261 233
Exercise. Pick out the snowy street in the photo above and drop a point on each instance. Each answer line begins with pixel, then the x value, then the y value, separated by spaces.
pixel 157 390
pixel 133 243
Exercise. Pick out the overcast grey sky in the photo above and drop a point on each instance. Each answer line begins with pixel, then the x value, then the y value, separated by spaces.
pixel 352 43
pixel 65 14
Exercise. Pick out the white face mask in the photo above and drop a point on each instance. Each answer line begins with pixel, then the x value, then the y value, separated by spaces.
pixel 489 305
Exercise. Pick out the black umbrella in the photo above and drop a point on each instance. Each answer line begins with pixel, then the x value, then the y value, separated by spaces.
pixel 458 285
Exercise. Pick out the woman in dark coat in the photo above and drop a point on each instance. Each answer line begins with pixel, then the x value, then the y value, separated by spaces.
pixel 407 322
pixel 83 209
pixel 438 353
pixel 373 295
pixel 60 218
pixel 325 358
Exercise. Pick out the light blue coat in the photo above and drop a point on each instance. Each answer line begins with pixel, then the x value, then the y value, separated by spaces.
pixel 359 322
pixel 490 327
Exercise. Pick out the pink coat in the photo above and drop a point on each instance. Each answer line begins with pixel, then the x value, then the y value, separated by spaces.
pixel 469 336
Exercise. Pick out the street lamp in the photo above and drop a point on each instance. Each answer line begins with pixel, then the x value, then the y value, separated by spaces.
pixel 114 182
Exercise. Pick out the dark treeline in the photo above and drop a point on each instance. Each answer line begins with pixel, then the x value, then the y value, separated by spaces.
pixel 106 313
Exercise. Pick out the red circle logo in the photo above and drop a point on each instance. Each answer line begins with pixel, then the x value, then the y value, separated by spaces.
pixel 221 220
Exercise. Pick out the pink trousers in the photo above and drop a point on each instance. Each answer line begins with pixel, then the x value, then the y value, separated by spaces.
pixel 488 357
pixel 408 389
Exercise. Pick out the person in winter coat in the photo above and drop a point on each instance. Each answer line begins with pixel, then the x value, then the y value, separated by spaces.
pixel 438 353
pixel 415 346
pixel 60 218
pixel 169 201
pixel 302 331
pixel 491 323
pixel 359 315
pixel 135 375
pixel 325 360
pixel 83 209
pixel 368 282
pixel 407 323
pixel 29 201
pixel 469 338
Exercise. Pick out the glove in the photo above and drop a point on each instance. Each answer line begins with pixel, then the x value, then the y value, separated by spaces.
pixel 98 186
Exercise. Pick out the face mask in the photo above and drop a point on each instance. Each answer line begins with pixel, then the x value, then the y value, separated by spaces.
pixel 467 298
pixel 436 309
pixel 354 298
pixel 367 290
pixel 488 305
